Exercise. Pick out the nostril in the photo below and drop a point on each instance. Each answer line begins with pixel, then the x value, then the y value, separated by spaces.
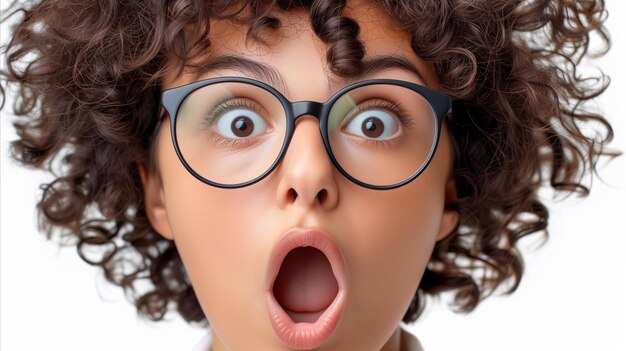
pixel 292 195
pixel 322 195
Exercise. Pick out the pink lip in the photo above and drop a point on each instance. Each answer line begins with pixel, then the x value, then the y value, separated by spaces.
pixel 304 336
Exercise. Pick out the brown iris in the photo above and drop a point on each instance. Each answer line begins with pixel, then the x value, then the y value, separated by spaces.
pixel 242 126
pixel 372 127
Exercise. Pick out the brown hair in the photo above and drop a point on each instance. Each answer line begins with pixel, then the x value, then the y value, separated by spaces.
pixel 88 72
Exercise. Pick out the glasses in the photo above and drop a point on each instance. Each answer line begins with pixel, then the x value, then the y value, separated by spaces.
pixel 231 132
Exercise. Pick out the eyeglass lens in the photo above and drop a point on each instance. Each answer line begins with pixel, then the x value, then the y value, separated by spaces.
pixel 232 132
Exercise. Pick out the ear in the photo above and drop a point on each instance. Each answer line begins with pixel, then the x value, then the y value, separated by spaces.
pixel 154 202
pixel 450 217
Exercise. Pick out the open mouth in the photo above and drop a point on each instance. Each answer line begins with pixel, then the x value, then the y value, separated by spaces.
pixel 306 288
pixel 305 285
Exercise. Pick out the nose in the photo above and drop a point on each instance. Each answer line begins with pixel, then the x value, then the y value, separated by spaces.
pixel 306 171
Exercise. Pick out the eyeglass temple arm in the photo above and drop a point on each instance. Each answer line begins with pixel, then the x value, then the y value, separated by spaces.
pixel 159 119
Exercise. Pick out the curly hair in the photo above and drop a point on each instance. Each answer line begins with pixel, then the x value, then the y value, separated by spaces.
pixel 88 72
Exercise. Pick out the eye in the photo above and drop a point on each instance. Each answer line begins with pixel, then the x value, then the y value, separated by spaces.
pixel 239 122
pixel 373 123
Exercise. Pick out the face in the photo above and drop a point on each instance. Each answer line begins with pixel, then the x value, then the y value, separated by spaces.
pixel 376 243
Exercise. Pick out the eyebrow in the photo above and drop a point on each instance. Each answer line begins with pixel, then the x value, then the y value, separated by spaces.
pixel 271 76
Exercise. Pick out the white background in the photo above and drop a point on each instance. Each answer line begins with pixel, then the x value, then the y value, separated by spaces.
pixel 571 296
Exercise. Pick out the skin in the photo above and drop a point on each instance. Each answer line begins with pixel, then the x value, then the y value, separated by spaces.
pixel 225 236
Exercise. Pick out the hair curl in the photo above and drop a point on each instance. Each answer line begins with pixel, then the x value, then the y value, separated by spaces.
pixel 87 75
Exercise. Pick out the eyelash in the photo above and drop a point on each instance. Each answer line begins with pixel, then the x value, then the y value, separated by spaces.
pixel 221 107
pixel 390 106
pixel 401 113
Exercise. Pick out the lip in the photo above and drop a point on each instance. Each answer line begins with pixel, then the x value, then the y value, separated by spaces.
pixel 304 336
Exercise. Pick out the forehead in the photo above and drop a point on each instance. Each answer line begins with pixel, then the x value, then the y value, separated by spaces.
pixel 294 50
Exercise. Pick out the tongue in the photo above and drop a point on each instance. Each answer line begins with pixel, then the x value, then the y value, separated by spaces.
pixel 305 282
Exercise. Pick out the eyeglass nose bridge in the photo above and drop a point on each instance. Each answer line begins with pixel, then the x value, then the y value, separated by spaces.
pixel 302 108
pixel 299 109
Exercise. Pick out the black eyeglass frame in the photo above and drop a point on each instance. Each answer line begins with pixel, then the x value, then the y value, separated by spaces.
pixel 172 99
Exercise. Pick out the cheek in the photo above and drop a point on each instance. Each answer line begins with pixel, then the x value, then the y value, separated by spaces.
pixel 218 239
pixel 215 234
pixel 389 239
pixel 399 225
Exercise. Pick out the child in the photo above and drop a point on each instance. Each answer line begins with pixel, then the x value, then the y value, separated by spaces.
pixel 413 170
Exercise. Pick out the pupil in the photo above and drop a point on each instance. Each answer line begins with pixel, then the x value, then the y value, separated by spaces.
pixel 242 126
pixel 372 127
